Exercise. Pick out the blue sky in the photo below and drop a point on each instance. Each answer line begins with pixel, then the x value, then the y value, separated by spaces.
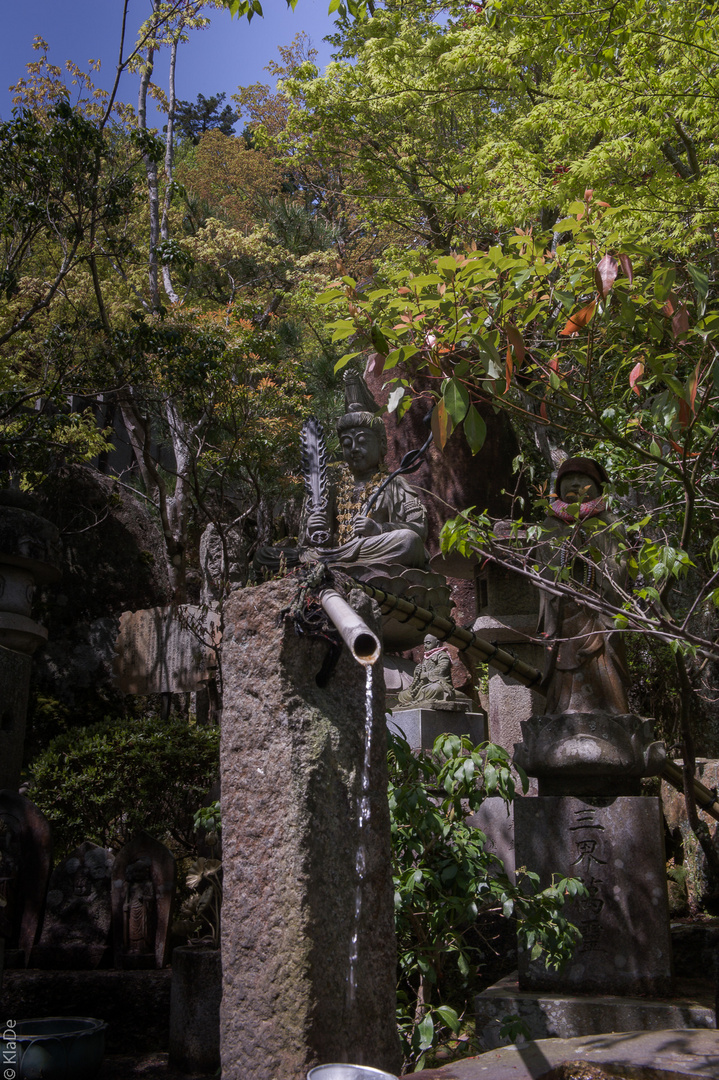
pixel 228 54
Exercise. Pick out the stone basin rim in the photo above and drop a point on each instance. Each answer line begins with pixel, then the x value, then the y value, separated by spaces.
pixel 79 1025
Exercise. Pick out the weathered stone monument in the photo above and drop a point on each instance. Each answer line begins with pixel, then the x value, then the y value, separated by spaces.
pixel 589 753
pixel 291 765
pixel 76 927
pixel 166 650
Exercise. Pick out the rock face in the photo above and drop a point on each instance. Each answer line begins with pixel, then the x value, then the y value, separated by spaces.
pixel 291 763
pixel 113 561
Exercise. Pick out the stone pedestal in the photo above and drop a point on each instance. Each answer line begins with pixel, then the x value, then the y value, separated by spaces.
pixel 421 727
pixel 291 763
pixel 195 996
pixel 566 1016
pixel 615 846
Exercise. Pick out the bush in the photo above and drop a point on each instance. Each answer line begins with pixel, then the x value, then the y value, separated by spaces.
pixel 446 880
pixel 106 782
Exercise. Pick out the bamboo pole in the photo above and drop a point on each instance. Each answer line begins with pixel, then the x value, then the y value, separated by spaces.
pixel 467 641
pixel 447 630
pixel 705 798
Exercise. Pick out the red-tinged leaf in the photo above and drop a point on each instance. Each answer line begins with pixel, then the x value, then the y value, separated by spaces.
pixel 441 424
pixel 680 322
pixel 554 363
pixel 578 320
pixel 600 203
pixel 606 274
pixel 508 367
pixel 588 194
pixel 375 364
pixel 684 415
pixel 635 375
pixel 517 342
pixel 403 290
pixel 626 264
pixel 692 384
pixel 543 411
pixel 671 305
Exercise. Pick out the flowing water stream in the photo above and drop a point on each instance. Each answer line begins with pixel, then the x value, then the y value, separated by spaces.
pixel 363 818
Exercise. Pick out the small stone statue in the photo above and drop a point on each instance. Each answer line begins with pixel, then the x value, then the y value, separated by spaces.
pixel 76 928
pixel 143 886
pixel 586 668
pixel 139 908
pixel 432 680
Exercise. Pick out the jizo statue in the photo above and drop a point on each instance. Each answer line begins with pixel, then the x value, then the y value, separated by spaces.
pixel 586 669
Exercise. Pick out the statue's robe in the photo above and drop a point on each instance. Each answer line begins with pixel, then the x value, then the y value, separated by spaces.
pixel 586 669
pixel 402 520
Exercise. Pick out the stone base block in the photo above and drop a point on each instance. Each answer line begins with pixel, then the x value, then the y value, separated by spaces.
pixel 615 846
pixel 421 727
pixel 195 996
pixel 641 1055
pixel 567 1016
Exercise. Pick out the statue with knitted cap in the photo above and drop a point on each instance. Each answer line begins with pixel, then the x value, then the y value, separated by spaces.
pixel 584 542
pixel 586 741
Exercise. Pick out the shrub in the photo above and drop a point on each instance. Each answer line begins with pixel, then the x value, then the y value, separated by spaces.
pixel 445 879
pixel 106 782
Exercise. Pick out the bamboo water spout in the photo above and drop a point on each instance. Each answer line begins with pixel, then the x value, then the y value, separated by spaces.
pixel 362 642
pixel 447 630
pixel 486 653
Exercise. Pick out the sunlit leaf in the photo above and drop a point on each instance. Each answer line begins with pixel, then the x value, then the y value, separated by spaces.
pixel 475 429
pixel 456 400
pixel 626 264
pixel 635 375
pixel 606 274
pixel 441 424
pixel 579 320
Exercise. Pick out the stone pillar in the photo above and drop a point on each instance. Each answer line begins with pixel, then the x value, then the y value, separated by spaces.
pixel 291 762
pixel 508 606
pixel 29 556
pixel 590 822
pixel 615 846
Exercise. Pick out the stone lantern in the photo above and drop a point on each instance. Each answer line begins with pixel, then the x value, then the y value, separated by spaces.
pixel 30 556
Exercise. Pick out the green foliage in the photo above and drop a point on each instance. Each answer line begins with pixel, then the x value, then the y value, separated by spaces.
pixel 446 880
pixel 193 120
pixel 106 782
pixel 200 913
pixel 600 339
